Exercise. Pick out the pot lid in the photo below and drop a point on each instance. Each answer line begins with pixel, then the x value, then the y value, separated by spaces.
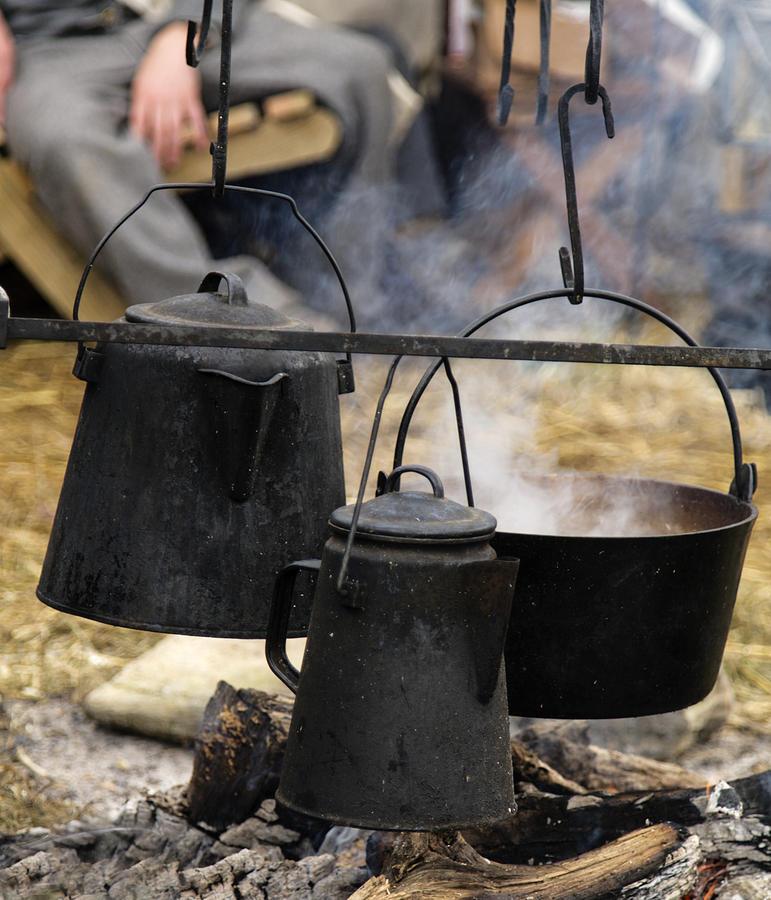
pixel 209 306
pixel 416 516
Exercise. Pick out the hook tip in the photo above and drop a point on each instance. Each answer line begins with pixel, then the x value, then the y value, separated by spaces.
pixel 505 99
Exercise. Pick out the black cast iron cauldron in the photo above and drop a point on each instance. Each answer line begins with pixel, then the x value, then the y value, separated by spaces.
pixel 400 719
pixel 196 474
pixel 623 607
pixel 629 620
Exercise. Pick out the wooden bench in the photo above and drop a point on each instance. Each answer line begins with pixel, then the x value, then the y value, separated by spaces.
pixel 285 131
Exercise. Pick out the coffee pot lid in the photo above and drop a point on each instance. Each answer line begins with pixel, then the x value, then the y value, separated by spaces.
pixel 416 516
pixel 208 306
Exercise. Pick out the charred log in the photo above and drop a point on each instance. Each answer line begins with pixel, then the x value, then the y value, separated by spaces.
pixel 566 748
pixel 238 755
pixel 551 827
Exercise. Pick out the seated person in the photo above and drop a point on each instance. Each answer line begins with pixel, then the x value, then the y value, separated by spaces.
pixel 96 98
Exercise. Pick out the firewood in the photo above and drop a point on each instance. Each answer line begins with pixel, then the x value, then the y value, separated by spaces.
pixel 565 747
pixel 530 768
pixel 238 754
pixel 731 820
pixel 425 866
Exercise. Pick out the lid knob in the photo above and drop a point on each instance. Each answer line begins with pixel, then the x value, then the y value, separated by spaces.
pixel 391 483
pixel 413 517
pixel 236 293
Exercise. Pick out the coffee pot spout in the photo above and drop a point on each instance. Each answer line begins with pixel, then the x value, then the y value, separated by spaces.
pixel 241 412
pixel 491 584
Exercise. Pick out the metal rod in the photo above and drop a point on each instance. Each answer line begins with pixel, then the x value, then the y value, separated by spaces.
pixel 389 344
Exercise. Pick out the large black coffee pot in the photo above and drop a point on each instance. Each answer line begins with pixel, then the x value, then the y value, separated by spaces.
pixel 193 477
pixel 400 719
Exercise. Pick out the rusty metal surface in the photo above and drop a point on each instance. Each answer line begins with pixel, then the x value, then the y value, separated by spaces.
pixel 391 344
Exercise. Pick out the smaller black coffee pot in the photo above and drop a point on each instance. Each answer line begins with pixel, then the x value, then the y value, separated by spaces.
pixel 400 720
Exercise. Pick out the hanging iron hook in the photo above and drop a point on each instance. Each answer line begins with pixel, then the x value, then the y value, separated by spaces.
pixel 573 270
pixel 219 150
pixel 594 51
pixel 505 90
pixel 543 75
pixel 194 50
pixel 193 54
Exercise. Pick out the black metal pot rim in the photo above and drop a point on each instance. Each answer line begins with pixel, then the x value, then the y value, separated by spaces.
pixel 750 515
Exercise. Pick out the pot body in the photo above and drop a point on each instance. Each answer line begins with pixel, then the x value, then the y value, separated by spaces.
pixel 400 720
pixel 195 475
pixel 633 621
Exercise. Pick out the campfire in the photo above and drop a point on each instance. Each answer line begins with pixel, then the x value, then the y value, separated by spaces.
pixel 590 823
pixel 396 770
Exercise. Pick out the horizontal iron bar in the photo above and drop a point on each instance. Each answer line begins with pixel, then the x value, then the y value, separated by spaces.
pixel 388 344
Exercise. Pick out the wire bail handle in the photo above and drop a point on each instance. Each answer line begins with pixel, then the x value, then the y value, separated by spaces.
pixel 348 587
pixel 745 479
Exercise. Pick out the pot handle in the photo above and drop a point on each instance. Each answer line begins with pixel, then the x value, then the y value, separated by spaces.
pixel 278 621
pixel 236 295
pixel 391 482
pixel 745 477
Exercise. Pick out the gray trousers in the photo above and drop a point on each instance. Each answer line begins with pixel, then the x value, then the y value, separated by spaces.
pixel 67 123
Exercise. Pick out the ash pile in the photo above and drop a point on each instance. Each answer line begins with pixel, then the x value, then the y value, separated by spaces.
pixel 151 850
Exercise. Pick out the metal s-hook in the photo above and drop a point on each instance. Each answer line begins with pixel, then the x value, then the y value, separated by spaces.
pixel 594 51
pixel 194 50
pixel 505 90
pixel 193 54
pixel 543 74
pixel 573 272
pixel 219 150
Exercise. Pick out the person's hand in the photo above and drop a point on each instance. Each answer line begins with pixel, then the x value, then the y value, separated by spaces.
pixel 7 66
pixel 166 108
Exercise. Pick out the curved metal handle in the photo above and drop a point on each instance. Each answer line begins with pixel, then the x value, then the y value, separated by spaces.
pixel 230 187
pixel 278 622
pixel 236 295
pixel 745 474
pixel 392 481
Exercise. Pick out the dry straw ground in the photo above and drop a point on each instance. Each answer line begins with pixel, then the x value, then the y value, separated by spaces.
pixel 590 418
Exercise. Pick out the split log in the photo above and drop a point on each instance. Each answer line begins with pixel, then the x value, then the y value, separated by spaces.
pixel 529 768
pixel 238 754
pixel 425 866
pixel 565 747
